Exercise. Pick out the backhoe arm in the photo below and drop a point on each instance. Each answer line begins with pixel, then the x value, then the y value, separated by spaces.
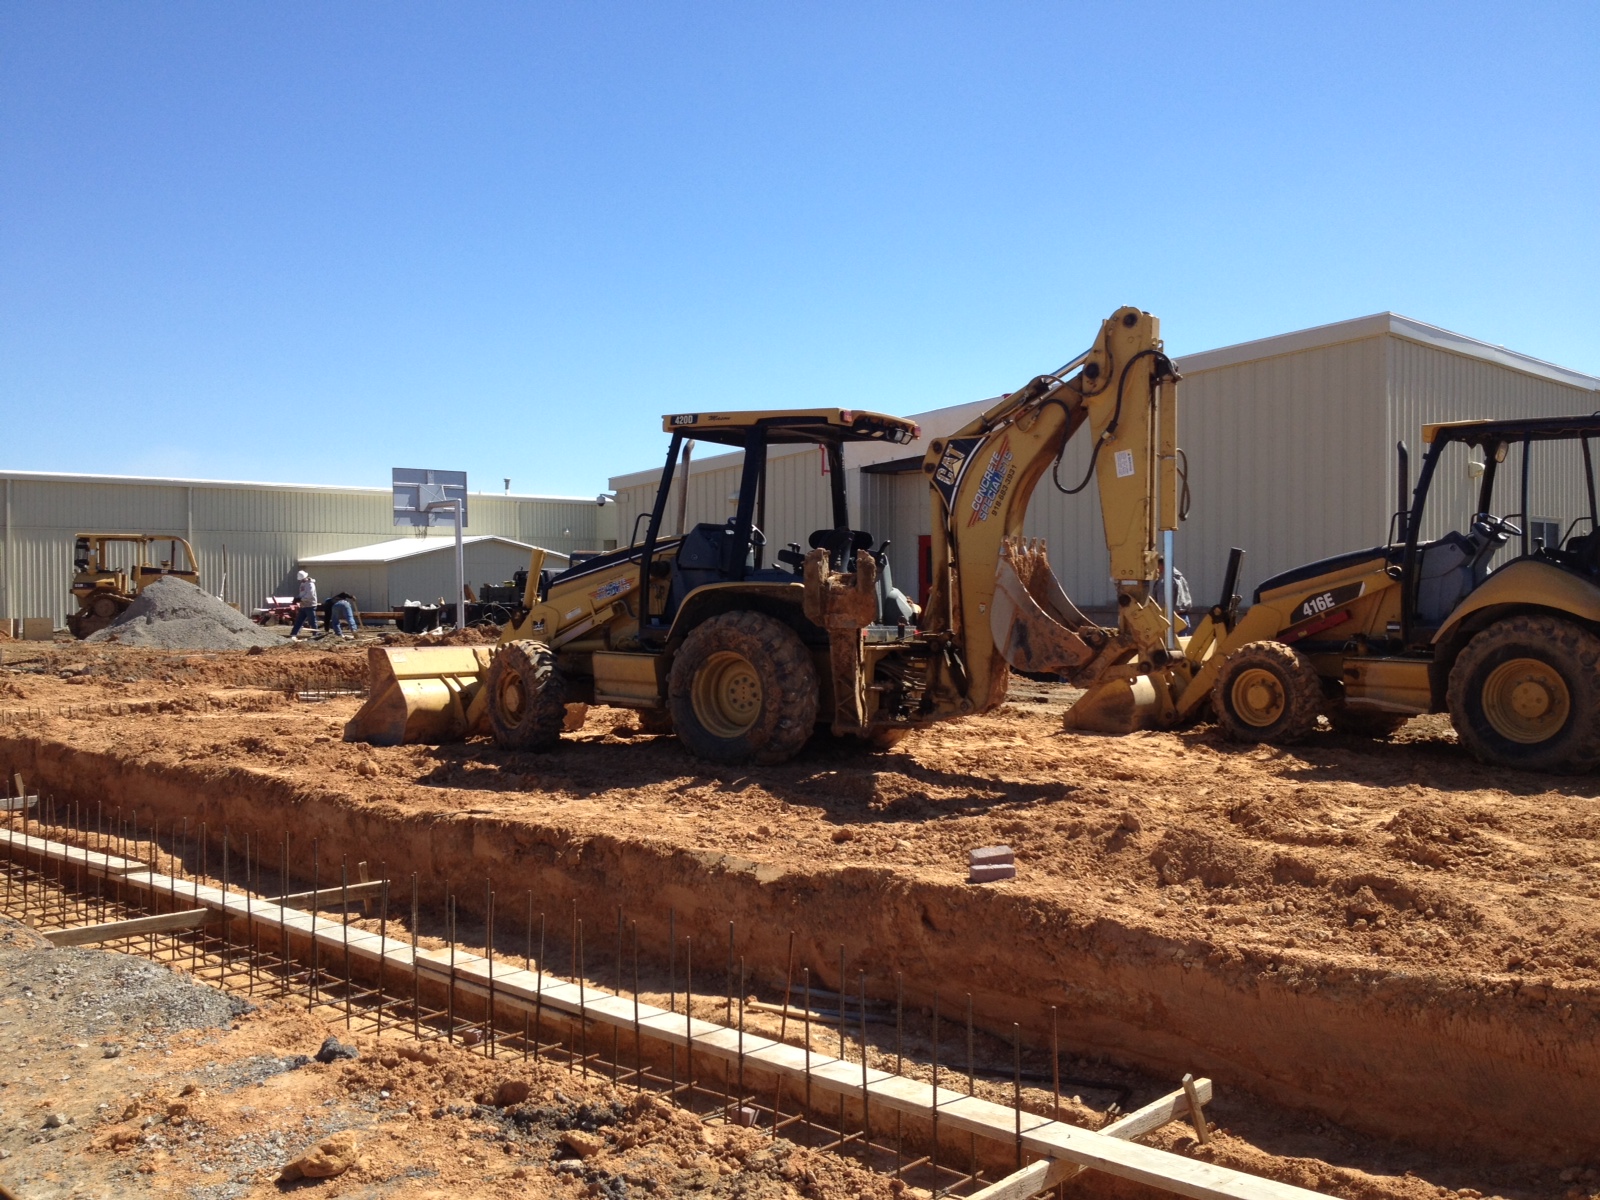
pixel 993 598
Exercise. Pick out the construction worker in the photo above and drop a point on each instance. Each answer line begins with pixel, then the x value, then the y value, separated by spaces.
pixel 1181 599
pixel 343 613
pixel 305 594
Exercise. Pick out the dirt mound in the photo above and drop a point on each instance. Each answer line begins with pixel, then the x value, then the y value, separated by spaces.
pixel 478 635
pixel 173 615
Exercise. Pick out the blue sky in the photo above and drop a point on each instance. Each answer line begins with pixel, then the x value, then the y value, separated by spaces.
pixel 311 242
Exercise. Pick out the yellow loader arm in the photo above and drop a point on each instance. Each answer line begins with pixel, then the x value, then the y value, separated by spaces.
pixel 994 599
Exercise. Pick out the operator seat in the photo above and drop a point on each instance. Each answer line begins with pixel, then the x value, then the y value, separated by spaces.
pixel 1449 569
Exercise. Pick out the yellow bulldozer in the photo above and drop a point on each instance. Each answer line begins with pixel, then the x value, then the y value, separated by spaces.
pixel 744 653
pixel 102 590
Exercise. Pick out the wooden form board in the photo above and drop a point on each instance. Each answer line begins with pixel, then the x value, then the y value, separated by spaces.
pixel 91 860
pixel 519 990
pixel 88 935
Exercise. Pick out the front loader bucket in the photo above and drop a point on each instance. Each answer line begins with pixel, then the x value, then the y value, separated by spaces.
pixel 421 695
pixel 1035 626
pixel 1114 706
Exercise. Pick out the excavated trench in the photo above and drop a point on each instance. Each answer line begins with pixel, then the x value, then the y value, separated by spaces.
pixel 1508 1075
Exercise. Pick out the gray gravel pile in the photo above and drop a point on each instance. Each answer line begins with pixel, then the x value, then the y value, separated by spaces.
pixel 79 992
pixel 173 615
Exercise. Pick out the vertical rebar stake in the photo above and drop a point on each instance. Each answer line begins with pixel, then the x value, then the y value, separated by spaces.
pixel 450 1000
pixel 899 1062
pixel 1016 1083
pixel 283 918
pixel 383 942
pixel 344 929
pixel 1055 1065
pixel 638 1037
pixel 583 1014
pixel 688 1021
pixel 488 950
pixel 805 975
pixel 316 902
pixel 934 1116
pixel 866 1112
pixel 416 971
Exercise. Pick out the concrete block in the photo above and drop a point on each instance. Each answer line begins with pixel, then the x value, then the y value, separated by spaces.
pixel 989 864
pixel 38 629
pixel 991 873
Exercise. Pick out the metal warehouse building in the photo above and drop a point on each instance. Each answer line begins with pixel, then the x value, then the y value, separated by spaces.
pixel 266 528
pixel 1290 444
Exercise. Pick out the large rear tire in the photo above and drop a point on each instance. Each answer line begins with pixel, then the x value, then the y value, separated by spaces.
pixel 1267 692
pixel 1526 693
pixel 743 688
pixel 527 697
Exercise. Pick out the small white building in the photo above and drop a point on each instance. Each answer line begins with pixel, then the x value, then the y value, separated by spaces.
pixel 385 575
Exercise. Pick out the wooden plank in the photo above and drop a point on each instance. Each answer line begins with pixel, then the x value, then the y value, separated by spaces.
pixel 1173 1106
pixel 330 897
pixel 18 803
pixel 110 931
pixel 1046 1173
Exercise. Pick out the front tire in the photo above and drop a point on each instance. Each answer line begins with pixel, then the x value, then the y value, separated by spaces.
pixel 1526 693
pixel 1267 692
pixel 743 688
pixel 527 697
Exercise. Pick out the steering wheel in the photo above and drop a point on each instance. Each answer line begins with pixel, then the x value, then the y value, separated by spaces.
pixel 1497 527
pixel 757 538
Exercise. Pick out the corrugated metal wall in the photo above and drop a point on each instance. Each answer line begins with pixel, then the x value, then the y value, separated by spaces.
pixel 266 529
pixel 1287 460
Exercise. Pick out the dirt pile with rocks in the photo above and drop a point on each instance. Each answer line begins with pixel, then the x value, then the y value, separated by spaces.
pixel 171 614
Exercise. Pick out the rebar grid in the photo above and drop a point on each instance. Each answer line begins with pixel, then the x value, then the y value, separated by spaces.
pixel 49 895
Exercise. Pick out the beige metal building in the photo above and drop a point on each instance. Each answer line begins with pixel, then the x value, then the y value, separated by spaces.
pixel 383 576
pixel 1290 443
pixel 265 528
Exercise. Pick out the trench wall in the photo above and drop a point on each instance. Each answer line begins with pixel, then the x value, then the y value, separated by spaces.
pixel 1446 1062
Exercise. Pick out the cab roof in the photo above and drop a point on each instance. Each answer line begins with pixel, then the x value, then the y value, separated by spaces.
pixel 820 425
pixel 1535 429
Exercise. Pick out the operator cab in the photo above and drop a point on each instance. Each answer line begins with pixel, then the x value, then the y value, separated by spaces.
pixel 1552 459
pixel 737 550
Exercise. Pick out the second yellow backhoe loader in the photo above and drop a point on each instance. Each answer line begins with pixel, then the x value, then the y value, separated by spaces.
pixel 743 656
pixel 1419 625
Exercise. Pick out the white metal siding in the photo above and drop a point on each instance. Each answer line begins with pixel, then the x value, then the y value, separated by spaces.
pixel 266 530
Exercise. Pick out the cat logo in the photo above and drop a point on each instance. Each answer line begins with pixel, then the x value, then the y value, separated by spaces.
pixel 950 465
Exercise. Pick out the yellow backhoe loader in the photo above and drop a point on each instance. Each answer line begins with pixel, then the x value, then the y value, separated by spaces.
pixel 102 591
pixel 1419 625
pixel 743 658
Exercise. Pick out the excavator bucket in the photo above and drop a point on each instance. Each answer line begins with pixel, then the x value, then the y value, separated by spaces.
pixel 1035 626
pixel 421 695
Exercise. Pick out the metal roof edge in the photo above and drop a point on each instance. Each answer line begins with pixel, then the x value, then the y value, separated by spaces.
pixel 1376 325
pixel 1432 335
pixel 424 545
pixel 178 481
pixel 1353 330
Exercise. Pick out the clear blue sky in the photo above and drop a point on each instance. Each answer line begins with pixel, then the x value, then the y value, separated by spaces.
pixel 310 242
